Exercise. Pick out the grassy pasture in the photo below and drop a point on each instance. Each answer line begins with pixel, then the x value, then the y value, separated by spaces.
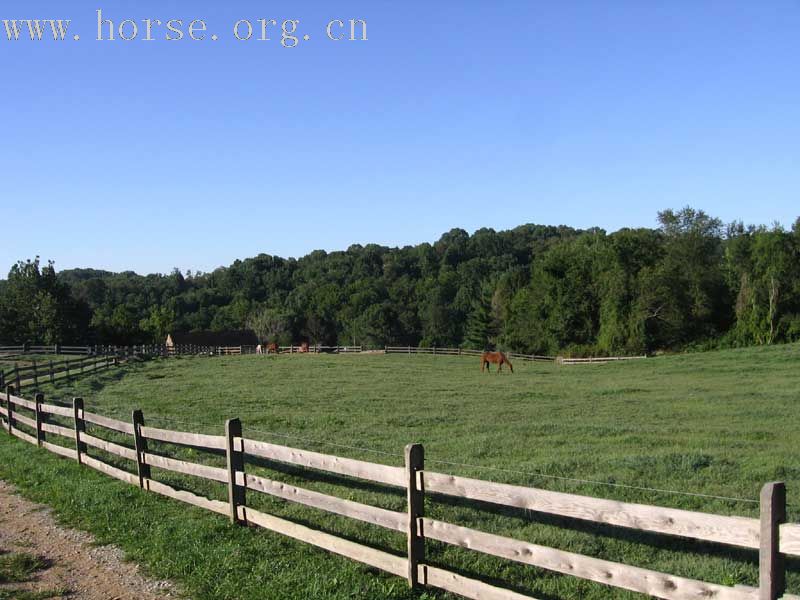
pixel 719 423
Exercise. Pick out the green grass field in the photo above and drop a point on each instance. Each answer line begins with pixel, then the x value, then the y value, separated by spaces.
pixel 720 424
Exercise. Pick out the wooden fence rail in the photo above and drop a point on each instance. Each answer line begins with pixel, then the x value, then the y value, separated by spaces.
pixel 595 359
pixel 435 350
pixel 319 349
pixel 49 371
pixel 191 349
pixel 770 535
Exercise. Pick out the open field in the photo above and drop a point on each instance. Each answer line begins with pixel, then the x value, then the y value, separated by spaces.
pixel 717 423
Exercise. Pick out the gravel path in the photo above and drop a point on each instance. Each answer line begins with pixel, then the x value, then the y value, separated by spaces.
pixel 89 572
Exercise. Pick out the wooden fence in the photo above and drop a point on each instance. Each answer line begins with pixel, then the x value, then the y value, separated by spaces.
pixel 595 359
pixel 320 349
pixel 433 350
pixel 53 349
pixel 49 371
pixel 769 535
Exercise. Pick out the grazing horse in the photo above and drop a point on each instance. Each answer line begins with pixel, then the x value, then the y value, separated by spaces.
pixel 497 358
pixel 272 348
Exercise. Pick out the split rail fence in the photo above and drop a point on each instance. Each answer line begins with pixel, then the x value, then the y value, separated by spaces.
pixel 193 349
pixel 595 359
pixel 320 349
pixel 769 535
pixel 433 350
pixel 54 349
pixel 49 371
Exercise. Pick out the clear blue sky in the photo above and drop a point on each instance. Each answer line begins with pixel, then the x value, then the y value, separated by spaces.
pixel 153 155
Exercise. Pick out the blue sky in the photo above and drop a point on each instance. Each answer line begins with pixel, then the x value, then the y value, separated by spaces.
pixel 152 155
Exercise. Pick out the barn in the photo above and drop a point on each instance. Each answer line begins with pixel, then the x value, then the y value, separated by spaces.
pixel 230 338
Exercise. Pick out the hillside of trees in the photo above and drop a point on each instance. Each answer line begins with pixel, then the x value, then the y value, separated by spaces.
pixel 691 283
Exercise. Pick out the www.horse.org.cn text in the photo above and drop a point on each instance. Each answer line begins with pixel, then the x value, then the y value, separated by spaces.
pixel 288 33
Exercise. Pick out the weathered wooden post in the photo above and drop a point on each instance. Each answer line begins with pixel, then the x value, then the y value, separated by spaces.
pixel 17 383
pixel 52 372
pixel 40 418
pixel 771 568
pixel 80 426
pixel 2 387
pixel 235 452
pixel 140 443
pixel 10 409
pixel 35 376
pixel 415 463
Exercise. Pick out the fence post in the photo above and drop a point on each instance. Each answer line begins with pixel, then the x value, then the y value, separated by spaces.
pixel 40 418
pixel 140 444
pixel 2 387
pixel 771 569
pixel 9 408
pixel 235 453
pixel 52 372
pixel 80 426
pixel 17 385
pixel 415 462
pixel 35 376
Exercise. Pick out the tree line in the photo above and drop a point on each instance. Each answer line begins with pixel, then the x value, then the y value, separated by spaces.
pixel 692 282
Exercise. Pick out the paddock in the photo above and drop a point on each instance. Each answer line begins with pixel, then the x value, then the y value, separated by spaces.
pixel 716 425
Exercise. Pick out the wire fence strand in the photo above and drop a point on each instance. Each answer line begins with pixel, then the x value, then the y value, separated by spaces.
pixel 463 465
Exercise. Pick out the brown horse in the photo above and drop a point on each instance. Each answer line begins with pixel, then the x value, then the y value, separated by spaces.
pixel 272 348
pixel 497 358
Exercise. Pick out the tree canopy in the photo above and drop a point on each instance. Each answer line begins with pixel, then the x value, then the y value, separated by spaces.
pixel 690 282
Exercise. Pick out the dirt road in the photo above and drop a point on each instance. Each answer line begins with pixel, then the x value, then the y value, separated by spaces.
pixel 74 564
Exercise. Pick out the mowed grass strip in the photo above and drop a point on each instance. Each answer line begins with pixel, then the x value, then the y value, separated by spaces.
pixel 719 423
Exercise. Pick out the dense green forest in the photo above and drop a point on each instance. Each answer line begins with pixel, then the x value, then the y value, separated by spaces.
pixel 691 283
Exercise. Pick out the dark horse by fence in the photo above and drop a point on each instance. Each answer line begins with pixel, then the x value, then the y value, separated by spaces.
pixel 497 358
